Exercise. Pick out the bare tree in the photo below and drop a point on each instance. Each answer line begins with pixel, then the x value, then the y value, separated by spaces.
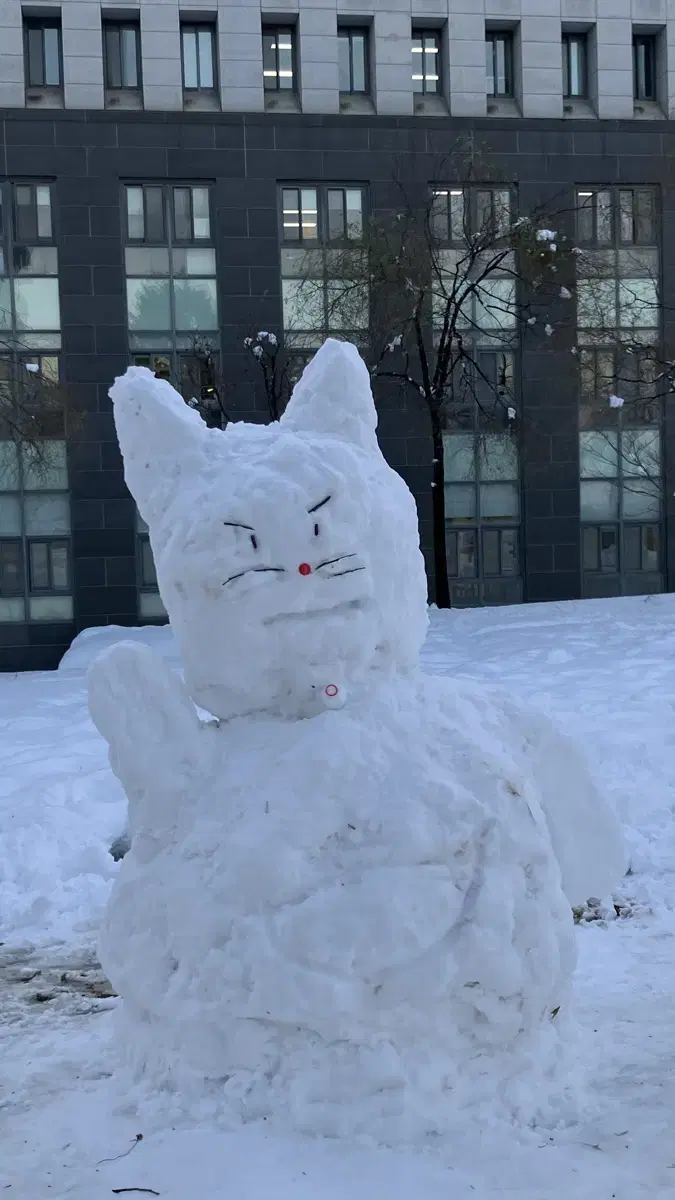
pixel 277 366
pixel 426 292
pixel 35 406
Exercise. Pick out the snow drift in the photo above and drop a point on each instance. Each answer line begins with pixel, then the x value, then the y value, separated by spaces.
pixel 346 906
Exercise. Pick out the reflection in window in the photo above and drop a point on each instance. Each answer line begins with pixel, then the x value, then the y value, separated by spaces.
pixel 278 58
pixel 29 287
pixel 315 302
pixel 574 48
pixel 35 570
pixel 122 52
pixel 198 55
pixel 499 63
pixel 353 61
pixel 170 267
pixel 42 42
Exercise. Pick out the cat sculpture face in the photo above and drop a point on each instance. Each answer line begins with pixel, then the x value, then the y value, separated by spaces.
pixel 288 554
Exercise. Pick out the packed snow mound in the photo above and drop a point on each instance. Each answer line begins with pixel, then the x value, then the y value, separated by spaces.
pixel 90 643
pixel 344 906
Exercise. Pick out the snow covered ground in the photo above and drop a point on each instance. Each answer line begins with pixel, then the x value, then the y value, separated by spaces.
pixel 607 671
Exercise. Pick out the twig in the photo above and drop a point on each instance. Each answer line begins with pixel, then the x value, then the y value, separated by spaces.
pixel 138 1138
pixel 148 1191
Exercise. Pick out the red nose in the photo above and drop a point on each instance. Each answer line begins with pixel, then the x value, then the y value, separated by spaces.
pixel 305 569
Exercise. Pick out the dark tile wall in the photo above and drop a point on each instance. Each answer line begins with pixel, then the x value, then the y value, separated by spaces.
pixel 87 154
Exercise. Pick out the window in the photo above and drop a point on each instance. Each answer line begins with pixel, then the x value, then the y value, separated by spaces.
pixel 170 263
pixel 426 62
pixel 324 272
pixel 42 43
pixel 279 58
pixel 644 67
pixel 198 54
pixel 150 604
pixel 482 485
pixel 499 63
pixel 618 273
pixel 30 317
pixel 575 76
pixel 621 497
pixel 353 61
pixel 35 573
pixel 122 53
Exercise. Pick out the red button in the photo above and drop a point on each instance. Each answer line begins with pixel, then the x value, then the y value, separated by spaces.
pixel 305 569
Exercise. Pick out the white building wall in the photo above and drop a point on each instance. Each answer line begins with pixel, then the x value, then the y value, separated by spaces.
pixel 537 27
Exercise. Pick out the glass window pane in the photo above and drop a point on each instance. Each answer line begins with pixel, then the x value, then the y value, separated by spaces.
pixel 290 202
pixel 641 499
pixel 37 260
pixel 11 568
pixel 205 53
pixel 585 217
pixel 10 516
pixel 194 262
pixel 348 306
pixel 196 304
pixel 509 551
pixel 344 63
pixel 451 551
pixel 154 214
pixel 146 261
pixel 641 452
pixel 467 558
pixel 47 514
pixel 650 548
pixel 590 549
pixel 129 57
pixel 285 58
pixel 190 72
pixel 303 305
pixel 148 304
pixel 270 76
pixel 638 304
pixel 52 57
pixel 632 538
pixel 354 197
pixel 182 220
pixel 36 73
pixel 645 232
pixel 490 539
pixel 336 214
pixel 151 606
pixel 626 217
pixel 609 549
pixel 148 570
pixel 26 215
pixel 135 216
pixel 309 214
pixel 459 457
pixel 599 500
pixel 50 608
pixel 460 502
pixel 12 609
pixel 497 456
pixel 44 211
pixel 45 466
pixel 201 213
pixel 59 565
pixel 596 303
pixel 432 66
pixel 38 558
pixel 494 305
pixel 359 62
pixel 113 62
pixel 598 454
pixel 499 501
pixel 9 467
pixel 36 302
pixel 491 83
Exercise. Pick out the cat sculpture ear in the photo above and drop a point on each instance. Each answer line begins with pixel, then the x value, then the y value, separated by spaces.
pixel 333 397
pixel 160 437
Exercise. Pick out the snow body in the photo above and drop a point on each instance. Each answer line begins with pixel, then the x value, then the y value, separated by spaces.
pixel 346 897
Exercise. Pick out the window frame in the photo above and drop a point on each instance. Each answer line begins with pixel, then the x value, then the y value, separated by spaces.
pixel 40 25
pixel 492 38
pixel 269 28
pixel 569 40
pixel 420 34
pixel 197 27
pixel 110 27
pixel 645 42
pixel 347 33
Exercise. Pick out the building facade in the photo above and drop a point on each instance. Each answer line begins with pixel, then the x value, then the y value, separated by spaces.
pixel 160 163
